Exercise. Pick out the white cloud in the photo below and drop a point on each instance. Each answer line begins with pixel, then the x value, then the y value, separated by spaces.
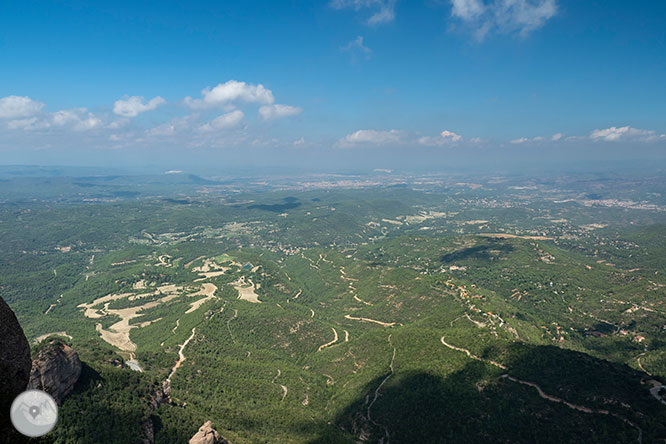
pixel 534 139
pixel 231 91
pixel 25 124
pixel 165 129
pixel 12 107
pixel 467 9
pixel 357 45
pixel 269 112
pixel 78 119
pixel 117 124
pixel 225 121
pixel 384 10
pixel 135 105
pixel 299 141
pixel 615 134
pixel 371 137
pixel 385 14
pixel 443 138
pixel 178 124
pixel 503 16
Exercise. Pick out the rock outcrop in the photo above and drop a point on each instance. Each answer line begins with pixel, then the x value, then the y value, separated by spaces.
pixel 156 398
pixel 14 362
pixel 208 435
pixel 55 370
pixel 148 432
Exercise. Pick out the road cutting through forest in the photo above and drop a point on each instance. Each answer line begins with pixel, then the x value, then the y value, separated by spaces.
pixel 285 390
pixel 181 358
pixel 384 324
pixel 328 344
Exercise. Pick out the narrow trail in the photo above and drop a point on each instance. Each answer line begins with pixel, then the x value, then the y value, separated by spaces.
pixel 328 344
pixel 181 357
pixel 357 299
pixel 346 336
pixel 352 288
pixel 546 396
pixel 640 365
pixel 385 324
pixel 298 294
pixel 177 324
pixel 467 352
pixel 285 390
pixel 53 305
pixel 228 328
pixel 312 315
pixel 378 393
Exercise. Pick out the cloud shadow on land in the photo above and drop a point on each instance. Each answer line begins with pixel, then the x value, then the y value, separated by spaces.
pixel 477 405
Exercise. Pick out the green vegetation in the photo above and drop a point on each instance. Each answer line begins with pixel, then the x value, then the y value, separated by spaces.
pixel 429 313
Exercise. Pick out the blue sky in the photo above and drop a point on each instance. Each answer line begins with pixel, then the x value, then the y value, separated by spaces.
pixel 337 79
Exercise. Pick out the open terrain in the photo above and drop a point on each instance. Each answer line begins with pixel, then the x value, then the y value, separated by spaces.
pixel 411 310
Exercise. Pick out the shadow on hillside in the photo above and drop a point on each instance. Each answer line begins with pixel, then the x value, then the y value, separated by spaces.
pixel 476 405
pixel 479 252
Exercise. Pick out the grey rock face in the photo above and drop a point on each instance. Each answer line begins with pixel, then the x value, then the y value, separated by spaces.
pixel 14 361
pixel 208 435
pixel 147 432
pixel 55 370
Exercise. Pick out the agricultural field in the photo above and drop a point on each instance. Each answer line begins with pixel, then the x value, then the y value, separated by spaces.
pixel 394 309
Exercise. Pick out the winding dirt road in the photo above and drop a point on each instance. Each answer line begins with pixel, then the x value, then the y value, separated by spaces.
pixel 181 357
pixel 328 344
pixel 285 390
pixel 468 353
pixel 384 324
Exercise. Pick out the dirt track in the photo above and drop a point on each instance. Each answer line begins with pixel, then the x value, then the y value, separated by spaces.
pixel 378 392
pixel 385 324
pixel 181 357
pixel 328 344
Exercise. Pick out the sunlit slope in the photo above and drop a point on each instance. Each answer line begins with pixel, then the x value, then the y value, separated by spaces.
pixel 463 314
pixel 326 318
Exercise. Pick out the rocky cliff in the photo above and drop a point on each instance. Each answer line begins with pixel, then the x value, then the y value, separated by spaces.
pixel 55 370
pixel 208 435
pixel 14 362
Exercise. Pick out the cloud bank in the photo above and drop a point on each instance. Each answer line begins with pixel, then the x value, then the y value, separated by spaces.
pixel 12 107
pixel 625 133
